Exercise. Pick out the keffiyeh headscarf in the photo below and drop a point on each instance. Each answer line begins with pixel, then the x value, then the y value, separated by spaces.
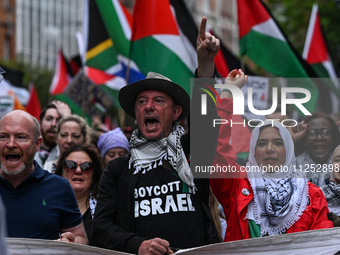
pixel 319 179
pixel 332 195
pixel 147 155
pixel 281 197
pixel 93 204
pixel 332 190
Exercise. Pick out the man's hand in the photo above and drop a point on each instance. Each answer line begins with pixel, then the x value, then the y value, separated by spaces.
pixel 67 237
pixel 236 78
pixel 62 108
pixel 298 131
pixel 207 48
pixel 74 235
pixel 156 246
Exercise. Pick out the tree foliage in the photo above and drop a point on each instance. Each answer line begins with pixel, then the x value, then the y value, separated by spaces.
pixel 293 17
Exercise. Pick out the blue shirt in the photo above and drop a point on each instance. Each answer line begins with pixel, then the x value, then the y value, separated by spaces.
pixel 40 206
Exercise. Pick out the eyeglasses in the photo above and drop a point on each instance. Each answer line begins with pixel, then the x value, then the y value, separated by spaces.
pixel 325 133
pixel 85 167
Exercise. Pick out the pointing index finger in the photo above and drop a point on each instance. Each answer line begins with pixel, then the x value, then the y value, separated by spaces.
pixel 202 28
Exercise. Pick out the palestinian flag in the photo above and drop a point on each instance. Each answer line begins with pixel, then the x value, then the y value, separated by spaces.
pixel 264 43
pixel 75 64
pixel 225 61
pixel 316 54
pixel 62 78
pixel 110 84
pixel 157 44
pixel 62 75
pixel 33 106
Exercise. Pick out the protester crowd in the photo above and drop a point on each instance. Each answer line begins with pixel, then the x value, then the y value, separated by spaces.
pixel 134 191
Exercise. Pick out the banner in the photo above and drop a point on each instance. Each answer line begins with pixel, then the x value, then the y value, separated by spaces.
pixel 88 96
pixel 6 104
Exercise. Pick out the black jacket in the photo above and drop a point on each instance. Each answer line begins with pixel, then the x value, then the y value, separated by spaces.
pixel 113 223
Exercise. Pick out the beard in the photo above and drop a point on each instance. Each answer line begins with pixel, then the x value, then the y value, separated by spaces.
pixel 7 172
pixel 27 162
pixel 48 140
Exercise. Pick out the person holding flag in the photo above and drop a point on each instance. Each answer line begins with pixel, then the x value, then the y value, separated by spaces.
pixel 270 195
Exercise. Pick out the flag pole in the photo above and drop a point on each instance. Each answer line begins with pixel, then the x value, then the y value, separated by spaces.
pixel 121 112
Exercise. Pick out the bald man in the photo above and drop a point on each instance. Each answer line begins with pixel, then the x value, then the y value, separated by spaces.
pixel 38 203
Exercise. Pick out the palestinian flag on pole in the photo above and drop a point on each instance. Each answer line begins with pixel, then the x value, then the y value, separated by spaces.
pixel 157 44
pixel 316 54
pixel 62 75
pixel 225 61
pixel 264 43
pixel 110 84
pixel 187 27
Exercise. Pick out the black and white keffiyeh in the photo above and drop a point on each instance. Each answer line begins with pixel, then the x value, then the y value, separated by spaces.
pixel 279 195
pixel 93 203
pixel 332 195
pixel 319 178
pixel 279 198
pixel 147 155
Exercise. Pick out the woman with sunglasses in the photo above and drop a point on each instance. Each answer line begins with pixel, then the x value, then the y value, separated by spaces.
pixel 80 164
pixel 315 139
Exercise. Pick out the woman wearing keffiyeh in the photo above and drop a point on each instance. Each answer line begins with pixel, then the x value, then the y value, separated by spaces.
pixel 332 190
pixel 269 196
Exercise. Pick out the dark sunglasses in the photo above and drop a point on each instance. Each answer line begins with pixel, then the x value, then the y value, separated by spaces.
pixel 325 133
pixel 85 167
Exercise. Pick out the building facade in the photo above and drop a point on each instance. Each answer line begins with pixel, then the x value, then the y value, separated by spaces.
pixel 222 18
pixel 43 26
pixel 7 29
pixel 33 30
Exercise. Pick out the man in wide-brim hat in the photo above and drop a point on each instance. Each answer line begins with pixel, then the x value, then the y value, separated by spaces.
pixel 155 102
pixel 143 207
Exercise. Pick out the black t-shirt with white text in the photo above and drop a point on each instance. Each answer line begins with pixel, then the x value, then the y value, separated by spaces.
pixel 166 207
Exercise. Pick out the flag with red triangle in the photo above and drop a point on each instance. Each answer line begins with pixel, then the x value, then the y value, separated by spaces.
pixel 316 54
pixel 62 76
pixel 110 84
pixel 263 42
pixel 61 79
pixel 75 64
pixel 33 106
